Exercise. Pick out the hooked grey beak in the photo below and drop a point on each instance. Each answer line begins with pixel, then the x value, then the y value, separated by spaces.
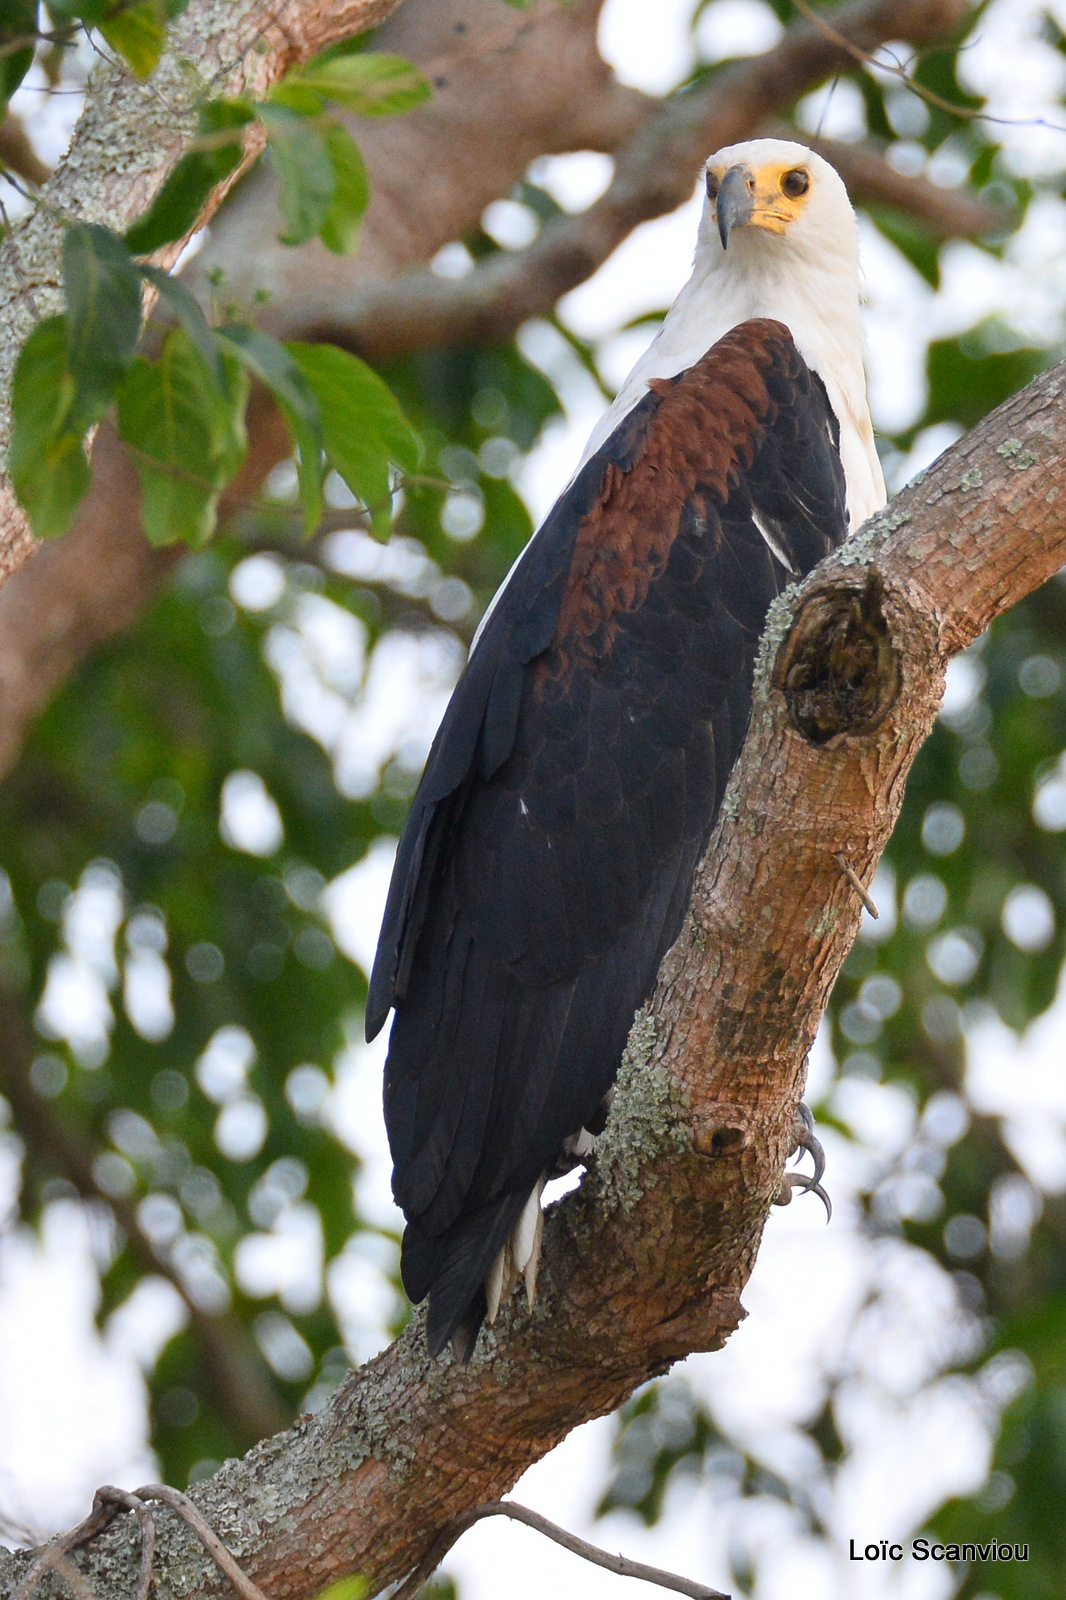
pixel 735 202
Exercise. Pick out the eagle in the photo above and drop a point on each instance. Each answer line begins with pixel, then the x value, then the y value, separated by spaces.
pixel 548 858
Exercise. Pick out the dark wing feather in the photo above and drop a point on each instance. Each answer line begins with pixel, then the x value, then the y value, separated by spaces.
pixel 549 855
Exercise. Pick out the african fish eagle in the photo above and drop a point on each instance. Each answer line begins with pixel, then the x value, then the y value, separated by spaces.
pixel 548 859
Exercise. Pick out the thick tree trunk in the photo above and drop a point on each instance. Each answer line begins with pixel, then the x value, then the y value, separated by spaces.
pixel 647 1261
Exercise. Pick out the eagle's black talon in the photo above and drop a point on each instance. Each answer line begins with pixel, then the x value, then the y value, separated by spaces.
pixel 800 1180
pixel 804 1139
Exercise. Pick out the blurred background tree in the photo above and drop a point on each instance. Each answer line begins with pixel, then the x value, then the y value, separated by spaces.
pixel 217 752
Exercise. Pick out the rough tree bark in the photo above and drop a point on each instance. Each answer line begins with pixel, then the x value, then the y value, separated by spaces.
pixel 647 1261
pixel 509 86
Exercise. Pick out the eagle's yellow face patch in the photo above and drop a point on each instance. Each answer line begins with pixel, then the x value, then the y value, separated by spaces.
pixel 768 197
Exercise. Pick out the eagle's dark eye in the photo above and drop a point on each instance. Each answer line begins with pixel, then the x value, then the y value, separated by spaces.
pixel 712 186
pixel 795 183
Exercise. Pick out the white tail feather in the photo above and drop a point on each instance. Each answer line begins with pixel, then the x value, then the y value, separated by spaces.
pixel 494 1286
pixel 530 1271
pixel 519 1258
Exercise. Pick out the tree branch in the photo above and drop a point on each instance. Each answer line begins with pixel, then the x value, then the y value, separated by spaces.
pixel 647 1260
pixel 468 145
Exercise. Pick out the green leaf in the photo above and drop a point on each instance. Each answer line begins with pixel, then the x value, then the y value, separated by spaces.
pixel 273 364
pixel 373 85
pixel 363 426
pixel 230 438
pixel 353 1588
pixel 138 33
pixel 305 170
pixel 970 377
pixel 187 439
pixel 19 21
pixel 90 12
pixel 188 312
pixel 177 207
pixel 340 229
pixel 49 468
pixel 42 389
pixel 103 291
pixel 296 97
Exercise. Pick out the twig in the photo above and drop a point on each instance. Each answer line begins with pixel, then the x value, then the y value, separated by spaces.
pixel 120 1497
pixel 120 65
pixel 36 200
pixel 858 885
pixel 11 1529
pixel 551 1530
pixel 107 1503
pixel 23 41
pixel 63 35
pixel 208 1538
pixel 896 69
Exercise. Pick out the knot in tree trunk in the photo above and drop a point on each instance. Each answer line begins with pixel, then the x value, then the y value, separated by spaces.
pixel 839 669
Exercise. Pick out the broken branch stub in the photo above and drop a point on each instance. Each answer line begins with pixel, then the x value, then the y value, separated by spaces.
pixel 839 668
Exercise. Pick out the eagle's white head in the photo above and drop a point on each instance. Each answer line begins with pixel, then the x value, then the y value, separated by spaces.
pixel 778 238
pixel 777 188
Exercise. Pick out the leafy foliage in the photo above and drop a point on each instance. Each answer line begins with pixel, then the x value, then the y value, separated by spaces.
pixel 49 468
pixel 173 409
pixel 370 84
pixel 103 295
pixel 188 434
pixel 176 411
pixel 180 705
pixel 323 181
pixel 363 428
